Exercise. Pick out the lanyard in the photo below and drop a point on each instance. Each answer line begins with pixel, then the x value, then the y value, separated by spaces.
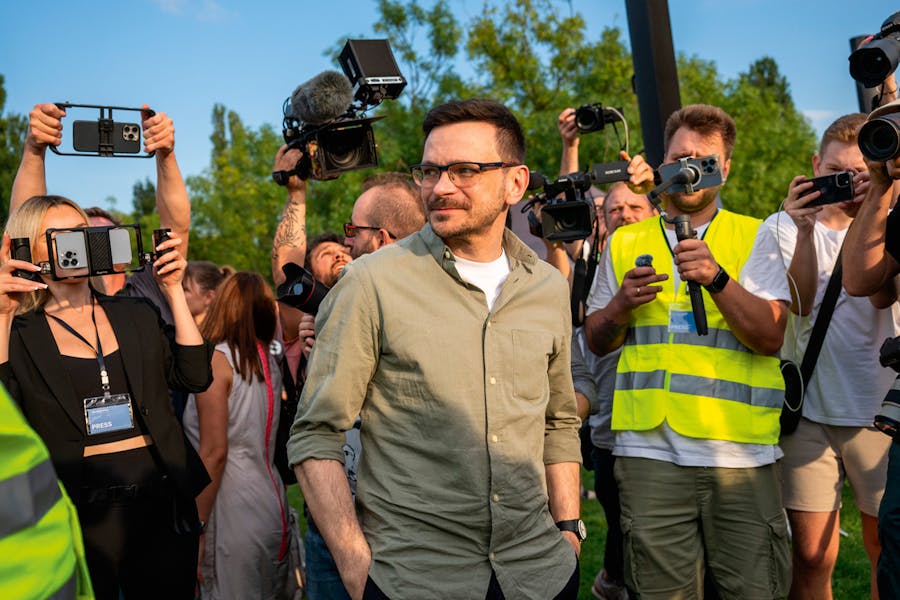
pixel 662 227
pixel 104 376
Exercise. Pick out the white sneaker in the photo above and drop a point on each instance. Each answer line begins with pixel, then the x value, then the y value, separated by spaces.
pixel 605 589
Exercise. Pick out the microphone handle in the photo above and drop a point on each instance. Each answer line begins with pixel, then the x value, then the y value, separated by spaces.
pixel 684 231
pixel 698 308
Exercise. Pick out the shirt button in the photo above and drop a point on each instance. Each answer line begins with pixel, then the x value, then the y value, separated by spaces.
pixel 496 497
pixel 493 380
pixel 495 439
pixel 491 556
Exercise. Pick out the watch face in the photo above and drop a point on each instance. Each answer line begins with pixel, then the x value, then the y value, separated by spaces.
pixel 582 530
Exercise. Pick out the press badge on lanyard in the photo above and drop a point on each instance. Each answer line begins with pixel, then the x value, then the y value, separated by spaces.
pixel 109 412
pixel 681 318
pixel 112 412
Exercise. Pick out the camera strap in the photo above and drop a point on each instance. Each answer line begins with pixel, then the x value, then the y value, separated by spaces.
pixel 582 279
pixel 820 328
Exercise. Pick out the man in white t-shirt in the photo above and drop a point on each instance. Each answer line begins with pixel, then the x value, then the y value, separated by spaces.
pixel 835 439
pixel 696 417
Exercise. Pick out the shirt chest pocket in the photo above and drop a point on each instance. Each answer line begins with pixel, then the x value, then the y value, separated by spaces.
pixel 531 352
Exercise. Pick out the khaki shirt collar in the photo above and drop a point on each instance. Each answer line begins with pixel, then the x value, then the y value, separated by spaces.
pixel 517 252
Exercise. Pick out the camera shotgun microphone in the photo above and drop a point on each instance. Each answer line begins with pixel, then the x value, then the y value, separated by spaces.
pixel 684 231
pixel 323 98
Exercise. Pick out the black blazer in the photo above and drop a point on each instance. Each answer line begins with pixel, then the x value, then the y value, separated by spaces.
pixel 38 382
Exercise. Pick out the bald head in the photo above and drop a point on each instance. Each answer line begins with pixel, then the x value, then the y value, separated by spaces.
pixel 389 209
pixel 622 207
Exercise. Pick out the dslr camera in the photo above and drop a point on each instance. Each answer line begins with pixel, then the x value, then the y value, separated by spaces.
pixel 888 420
pixel 879 137
pixel 324 117
pixel 300 289
pixel 594 117
pixel 871 64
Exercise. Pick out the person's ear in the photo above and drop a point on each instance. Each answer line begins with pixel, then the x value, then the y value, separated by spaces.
pixel 726 167
pixel 208 297
pixel 516 184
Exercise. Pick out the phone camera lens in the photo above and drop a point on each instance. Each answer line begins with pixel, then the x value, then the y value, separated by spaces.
pixel 65 262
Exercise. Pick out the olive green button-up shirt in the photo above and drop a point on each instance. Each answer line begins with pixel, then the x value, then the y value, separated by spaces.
pixel 461 409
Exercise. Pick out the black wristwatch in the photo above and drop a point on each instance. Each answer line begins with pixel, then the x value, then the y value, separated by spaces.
pixel 576 526
pixel 719 281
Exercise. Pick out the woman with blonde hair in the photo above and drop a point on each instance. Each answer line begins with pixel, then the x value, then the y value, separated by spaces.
pixel 233 424
pixel 91 373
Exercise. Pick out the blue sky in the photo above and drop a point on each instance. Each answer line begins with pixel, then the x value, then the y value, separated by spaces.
pixel 182 56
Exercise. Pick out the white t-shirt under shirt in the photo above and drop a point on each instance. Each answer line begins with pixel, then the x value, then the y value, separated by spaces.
pixel 763 275
pixel 848 383
pixel 487 276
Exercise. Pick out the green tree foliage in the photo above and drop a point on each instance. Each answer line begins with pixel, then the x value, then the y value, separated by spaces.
pixel 12 137
pixel 775 142
pixel 527 54
pixel 143 205
pixel 235 204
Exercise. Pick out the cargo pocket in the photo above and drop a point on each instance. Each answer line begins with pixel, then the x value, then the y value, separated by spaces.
pixel 630 568
pixel 779 557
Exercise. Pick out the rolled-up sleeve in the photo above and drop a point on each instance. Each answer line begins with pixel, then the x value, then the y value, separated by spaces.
pixel 340 368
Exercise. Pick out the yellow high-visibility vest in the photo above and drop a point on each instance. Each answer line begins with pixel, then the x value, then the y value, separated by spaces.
pixel 40 539
pixel 708 387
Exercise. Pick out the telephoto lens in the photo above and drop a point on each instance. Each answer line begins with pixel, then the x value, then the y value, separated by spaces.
pixel 879 139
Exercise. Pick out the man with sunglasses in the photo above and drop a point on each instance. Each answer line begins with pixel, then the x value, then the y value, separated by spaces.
pixel 388 210
pixel 453 346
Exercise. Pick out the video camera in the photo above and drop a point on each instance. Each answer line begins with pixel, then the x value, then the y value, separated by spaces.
pixel 324 116
pixel 872 63
pixel 90 251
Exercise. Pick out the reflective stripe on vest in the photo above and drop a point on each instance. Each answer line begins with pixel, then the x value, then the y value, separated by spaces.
pixel 710 387
pixel 26 498
pixel 690 384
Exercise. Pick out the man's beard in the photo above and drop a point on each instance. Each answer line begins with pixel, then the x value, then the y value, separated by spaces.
pixel 696 203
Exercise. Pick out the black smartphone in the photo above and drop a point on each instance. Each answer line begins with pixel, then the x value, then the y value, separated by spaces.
pixel 159 236
pixel 125 138
pixel 836 187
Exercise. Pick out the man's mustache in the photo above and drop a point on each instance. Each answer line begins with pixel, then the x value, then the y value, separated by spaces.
pixel 439 203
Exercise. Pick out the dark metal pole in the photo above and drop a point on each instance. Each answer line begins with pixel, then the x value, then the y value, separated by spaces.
pixel 655 72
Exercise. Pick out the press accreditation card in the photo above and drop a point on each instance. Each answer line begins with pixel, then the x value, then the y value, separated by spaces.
pixel 681 318
pixel 105 414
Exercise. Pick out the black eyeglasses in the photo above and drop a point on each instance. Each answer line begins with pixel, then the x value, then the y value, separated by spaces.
pixel 461 174
pixel 351 230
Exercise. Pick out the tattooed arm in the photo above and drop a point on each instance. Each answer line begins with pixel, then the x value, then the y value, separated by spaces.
pixel 289 244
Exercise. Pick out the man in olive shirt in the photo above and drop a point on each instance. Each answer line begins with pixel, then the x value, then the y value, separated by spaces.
pixel 453 346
